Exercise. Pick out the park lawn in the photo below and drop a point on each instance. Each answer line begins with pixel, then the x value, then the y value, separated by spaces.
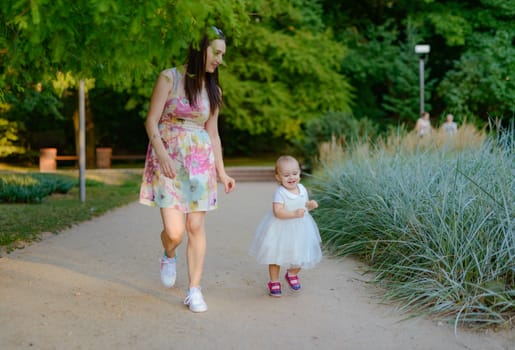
pixel 23 223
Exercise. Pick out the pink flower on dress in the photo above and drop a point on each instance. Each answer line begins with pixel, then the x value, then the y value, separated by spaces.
pixel 183 109
pixel 198 160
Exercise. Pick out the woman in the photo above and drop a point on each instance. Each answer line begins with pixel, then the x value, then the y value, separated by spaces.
pixel 184 158
pixel 423 126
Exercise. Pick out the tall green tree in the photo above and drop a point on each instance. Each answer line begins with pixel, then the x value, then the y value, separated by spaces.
pixel 462 35
pixel 285 72
pixel 282 63
pixel 481 82
pixel 118 43
pixel 385 73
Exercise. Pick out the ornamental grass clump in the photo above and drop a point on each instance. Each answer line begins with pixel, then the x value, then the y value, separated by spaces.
pixel 434 225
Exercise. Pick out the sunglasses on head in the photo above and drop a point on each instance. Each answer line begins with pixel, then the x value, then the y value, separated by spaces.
pixel 218 32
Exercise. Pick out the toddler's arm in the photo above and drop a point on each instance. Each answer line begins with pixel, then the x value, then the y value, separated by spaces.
pixel 280 212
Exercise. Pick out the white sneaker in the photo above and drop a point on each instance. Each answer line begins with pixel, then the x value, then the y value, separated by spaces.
pixel 168 271
pixel 195 301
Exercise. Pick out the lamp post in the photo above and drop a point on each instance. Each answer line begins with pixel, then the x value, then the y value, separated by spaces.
pixel 422 51
pixel 82 141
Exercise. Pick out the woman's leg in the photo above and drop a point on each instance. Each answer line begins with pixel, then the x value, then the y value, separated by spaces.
pixel 196 248
pixel 171 237
pixel 173 230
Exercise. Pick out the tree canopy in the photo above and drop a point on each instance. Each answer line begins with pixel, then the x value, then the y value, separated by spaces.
pixel 118 42
pixel 287 62
pixel 468 69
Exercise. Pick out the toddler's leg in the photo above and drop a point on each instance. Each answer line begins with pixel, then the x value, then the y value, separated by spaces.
pixel 274 286
pixel 273 270
pixel 294 270
pixel 292 278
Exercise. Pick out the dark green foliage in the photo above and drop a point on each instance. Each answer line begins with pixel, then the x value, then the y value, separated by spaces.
pixel 338 125
pixel 467 71
pixel 287 62
pixel 32 188
pixel 281 60
pixel 487 66
pixel 118 42
pixel 47 46
pixel 284 73
pixel 120 126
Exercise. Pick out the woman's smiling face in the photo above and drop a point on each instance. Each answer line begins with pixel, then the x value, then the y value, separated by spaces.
pixel 214 55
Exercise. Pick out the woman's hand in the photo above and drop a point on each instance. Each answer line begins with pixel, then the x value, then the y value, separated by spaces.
pixel 167 166
pixel 228 182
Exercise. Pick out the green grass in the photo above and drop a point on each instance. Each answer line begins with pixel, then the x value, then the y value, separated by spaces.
pixel 433 224
pixel 23 223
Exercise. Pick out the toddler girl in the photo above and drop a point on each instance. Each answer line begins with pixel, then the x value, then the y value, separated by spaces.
pixel 288 235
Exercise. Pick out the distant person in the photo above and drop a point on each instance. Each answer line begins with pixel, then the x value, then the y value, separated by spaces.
pixel 184 158
pixel 450 127
pixel 423 126
pixel 287 235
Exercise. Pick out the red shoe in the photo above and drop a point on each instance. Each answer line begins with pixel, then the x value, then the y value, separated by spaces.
pixel 293 282
pixel 274 289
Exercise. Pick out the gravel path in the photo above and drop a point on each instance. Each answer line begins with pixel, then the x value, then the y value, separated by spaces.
pixel 96 286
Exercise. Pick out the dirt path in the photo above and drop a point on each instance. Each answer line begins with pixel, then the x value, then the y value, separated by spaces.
pixel 96 286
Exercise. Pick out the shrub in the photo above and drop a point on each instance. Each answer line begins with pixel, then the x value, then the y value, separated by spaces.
pixel 434 224
pixel 32 188
pixel 10 143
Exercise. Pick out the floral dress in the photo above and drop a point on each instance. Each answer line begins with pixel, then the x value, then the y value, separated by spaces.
pixel 182 130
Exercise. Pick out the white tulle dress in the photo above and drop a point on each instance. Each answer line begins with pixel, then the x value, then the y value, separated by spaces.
pixel 287 242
